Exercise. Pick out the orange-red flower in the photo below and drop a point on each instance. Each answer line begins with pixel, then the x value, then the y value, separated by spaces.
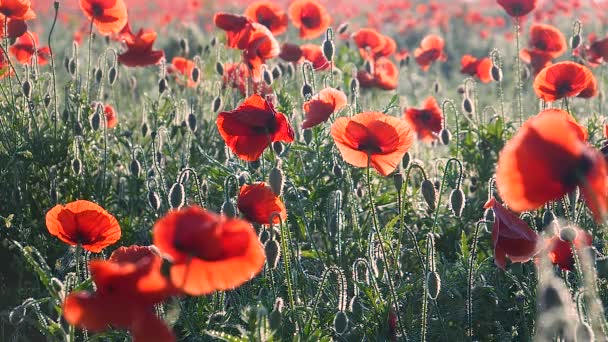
pixel 480 68
pixel 537 59
pixel 27 46
pixel 563 79
pixel 257 202
pixel 310 17
pixel 208 252
pixel 251 127
pixel 290 52
pixel 314 55
pixel 109 16
pixel 385 75
pixel 426 121
pixel 511 236
pixel 261 46
pixel 182 68
pixel 128 285
pixel 17 9
pixel 517 8
pixel 374 139
pixel 546 43
pixel 321 106
pixel 547 159
pixel 85 223
pixel 372 44
pixel 110 113
pixel 578 129
pixel 139 48
pixel 560 251
pixel 269 15
pixel 430 50
pixel 238 29
pixel 236 75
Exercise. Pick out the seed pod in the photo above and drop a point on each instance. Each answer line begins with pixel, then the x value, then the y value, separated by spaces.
pixel 307 133
pixel 567 234
pixel 429 193
pixel 26 87
pixel 47 100
pixel 433 284
pixel 76 166
pixel 273 253
pixel 267 76
pixel 192 122
pixel 496 73
pixel 276 72
pixel 575 41
pixel 144 129
pixel 467 105
pixel 445 136
pixel 337 170
pixel 112 75
pixel 72 67
pixel 228 208
pixel 177 196
pixel 398 181
pixel 306 91
pixel 354 86
pixel 135 168
pixel 328 49
pixel 195 74
pixel 162 85
pixel 275 179
pixel 95 120
pixel 217 103
pixel 457 202
pixel 342 28
pixel 98 75
pixel 219 68
pixel 290 70
pixel 548 217
pixel 340 322
pixel 405 162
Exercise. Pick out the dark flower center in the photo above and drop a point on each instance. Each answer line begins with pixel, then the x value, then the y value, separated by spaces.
pixel 425 117
pixel 541 45
pixel 517 9
pixel 370 146
pixel 97 10
pixel 574 176
pixel 562 88
pixel 266 21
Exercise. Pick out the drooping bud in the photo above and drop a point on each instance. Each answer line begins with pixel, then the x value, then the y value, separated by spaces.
pixel 398 181
pixel 217 104
pixel 306 91
pixel 184 46
pixel 196 74
pixel 267 76
pixel 275 179
pixel 548 217
pixel 273 253
pixel 405 161
pixel 307 133
pixel 277 147
pixel 275 319
pixel 457 202
pixel 135 168
pixel 496 73
pixel 47 100
pixel 144 129
pixel 276 72
pixel 340 322
pixel 192 125
pixel 437 87
pixel 254 165
pixel 76 166
pixel 112 75
pixel 162 85
pixel 228 208
pixel 337 170
pixel 26 88
pixel 72 66
pixel 342 28
pixel 445 136
pixel 177 196
pixel 575 41
pixel 467 105
pixel 433 284
pixel 98 75
pixel 219 68
pixel 328 49
pixel 488 215
pixel 429 193
pixel 95 120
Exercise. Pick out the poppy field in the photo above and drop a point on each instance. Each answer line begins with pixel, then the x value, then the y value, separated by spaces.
pixel 303 170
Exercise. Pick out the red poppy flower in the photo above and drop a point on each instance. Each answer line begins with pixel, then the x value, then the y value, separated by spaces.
pixel 109 16
pixel 310 17
pixel 480 68
pixel 238 29
pixel 17 9
pixel 257 202
pixel 85 223
pixel 269 15
pixel 110 114
pixel 385 75
pixel 597 51
pixel 236 76
pixel 314 55
pixel 537 59
pixel 209 252
pixel 547 159
pixel 374 139
pixel 139 48
pixel 250 128
pixel 128 285
pixel 261 46
pixel 182 68
pixel 580 130
pixel 563 79
pixel 16 28
pixel 560 251
pixel 430 50
pixel 427 121
pixel 27 46
pixel 321 106
pixel 517 8
pixel 291 52
pixel 372 44
pixel 511 236
pixel 547 38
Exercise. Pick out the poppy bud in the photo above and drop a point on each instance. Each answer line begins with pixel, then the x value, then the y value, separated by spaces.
pixel 275 318
pixel 26 88
pixel 267 76
pixel 66 63
pixel 340 322
pixel 307 133
pixel 192 122
pixel 47 100
pixel 405 162
pixel 437 87
pixel 457 202
pixel 473 180
pixel 306 91
pixel 242 179
pixel 95 120
pixel 98 75
pixel 76 166
pixel 17 315
pixel 548 217
pixel 567 234
pixel 467 105
pixel 264 236
pixel 445 136
pixel 275 179
pixel 254 165
pixel 342 28
pixel 398 181
pixel 354 86
pixel 337 170
pixel 290 70
pixel 277 147
pixel 276 72
pixel 112 75
pixel 177 196
pixel 429 193
pixel 144 128
pixel 575 42
pixel 162 85
pixel 273 253
pixel 217 103
pixel 228 208
pixel 183 45
pixel 496 73
pixel 328 49
pixel 135 168
pixel 433 284
pixel 584 331
pixel 72 67
pixel 488 215
pixel 219 68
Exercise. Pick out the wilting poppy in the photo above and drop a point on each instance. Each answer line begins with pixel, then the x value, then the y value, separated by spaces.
pixel 85 223
pixel 596 52
pixel 372 44
pixel 17 9
pixel 238 29
pixel 109 16
pixel 517 8
pixel 480 68
pixel 511 236
pixel 310 17
pixel 27 46
pixel 261 46
pixel 321 106
pixel 426 121
pixel 128 285
pixel 430 50
pixel 257 202
pixel 385 75
pixel 252 127
pixel 182 68
pixel 314 55
pixel 547 159
pixel 560 251
pixel 208 252
pixel 269 15
pixel 139 48
pixel 290 52
pixel 236 75
pixel 563 79
pixel 373 139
